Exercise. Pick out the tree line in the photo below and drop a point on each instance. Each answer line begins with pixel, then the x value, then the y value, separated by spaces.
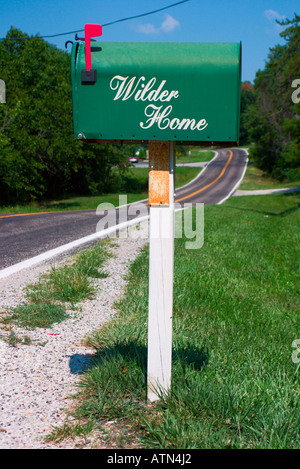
pixel 40 159
pixel 270 117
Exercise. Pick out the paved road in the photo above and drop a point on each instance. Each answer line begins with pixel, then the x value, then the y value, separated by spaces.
pixel 217 180
pixel 28 235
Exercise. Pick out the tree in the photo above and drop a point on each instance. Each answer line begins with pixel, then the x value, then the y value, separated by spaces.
pixel 247 98
pixel 273 119
pixel 39 157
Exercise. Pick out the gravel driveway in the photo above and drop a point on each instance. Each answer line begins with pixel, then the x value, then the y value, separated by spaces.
pixel 37 380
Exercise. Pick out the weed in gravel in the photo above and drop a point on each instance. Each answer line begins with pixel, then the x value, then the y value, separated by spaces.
pixel 13 339
pixel 70 283
pixel 89 262
pixel 69 430
pixel 32 315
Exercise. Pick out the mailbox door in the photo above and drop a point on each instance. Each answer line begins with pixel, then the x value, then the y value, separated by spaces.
pixel 184 92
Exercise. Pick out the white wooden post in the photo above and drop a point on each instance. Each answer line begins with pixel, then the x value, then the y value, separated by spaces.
pixel 161 261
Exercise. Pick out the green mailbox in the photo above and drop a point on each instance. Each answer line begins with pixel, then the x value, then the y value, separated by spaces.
pixel 136 92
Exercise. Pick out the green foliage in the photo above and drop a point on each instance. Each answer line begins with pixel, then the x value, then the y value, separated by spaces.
pixel 247 98
pixel 39 157
pixel 272 120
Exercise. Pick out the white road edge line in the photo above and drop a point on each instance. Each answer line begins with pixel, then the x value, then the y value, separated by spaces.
pixel 66 247
pixel 239 181
pixel 73 244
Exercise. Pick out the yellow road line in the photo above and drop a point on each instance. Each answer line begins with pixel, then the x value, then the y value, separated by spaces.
pixel 211 183
pixel 23 214
pixel 40 213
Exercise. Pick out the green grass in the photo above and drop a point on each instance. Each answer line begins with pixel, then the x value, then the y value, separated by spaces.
pixel 35 315
pixel 236 314
pixel 197 155
pixel 65 284
pixel 135 186
pixel 255 179
pixel 71 203
pixel 46 301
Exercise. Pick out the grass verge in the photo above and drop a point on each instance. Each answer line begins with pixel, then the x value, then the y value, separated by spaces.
pixel 47 300
pixel 236 314
pixel 135 186
pixel 255 179
pixel 196 155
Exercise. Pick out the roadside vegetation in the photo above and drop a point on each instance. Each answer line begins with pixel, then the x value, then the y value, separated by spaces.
pixel 256 179
pixel 236 301
pixel 194 155
pixel 236 315
pixel 270 118
pixel 58 291
pixel 134 184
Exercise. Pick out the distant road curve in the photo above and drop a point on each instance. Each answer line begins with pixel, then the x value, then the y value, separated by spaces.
pixel 25 236
pixel 218 180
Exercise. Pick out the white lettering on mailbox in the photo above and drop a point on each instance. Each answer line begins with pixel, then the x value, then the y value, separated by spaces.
pixel 127 88
pixel 159 116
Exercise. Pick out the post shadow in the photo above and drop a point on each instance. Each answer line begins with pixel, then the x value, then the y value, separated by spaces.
pixel 188 357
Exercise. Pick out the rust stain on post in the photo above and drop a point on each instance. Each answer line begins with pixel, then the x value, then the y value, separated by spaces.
pixel 159 154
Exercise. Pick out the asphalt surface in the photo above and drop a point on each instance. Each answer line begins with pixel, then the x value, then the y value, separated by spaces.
pixel 24 236
pixel 217 180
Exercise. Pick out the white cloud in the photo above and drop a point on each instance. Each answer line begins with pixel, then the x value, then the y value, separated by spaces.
pixel 273 15
pixel 167 26
pixel 147 29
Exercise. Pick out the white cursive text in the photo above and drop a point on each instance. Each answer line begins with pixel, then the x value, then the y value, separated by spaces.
pixel 140 91
pixel 159 116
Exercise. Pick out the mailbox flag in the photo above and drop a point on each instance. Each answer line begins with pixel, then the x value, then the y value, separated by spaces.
pixel 90 30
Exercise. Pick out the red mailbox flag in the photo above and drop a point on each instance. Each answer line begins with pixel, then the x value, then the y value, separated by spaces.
pixel 90 30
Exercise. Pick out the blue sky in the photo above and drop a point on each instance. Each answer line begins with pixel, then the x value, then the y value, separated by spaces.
pixel 249 21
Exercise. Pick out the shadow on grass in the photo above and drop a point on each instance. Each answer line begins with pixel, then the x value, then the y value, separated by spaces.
pixel 133 355
pixel 191 356
pixel 284 213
